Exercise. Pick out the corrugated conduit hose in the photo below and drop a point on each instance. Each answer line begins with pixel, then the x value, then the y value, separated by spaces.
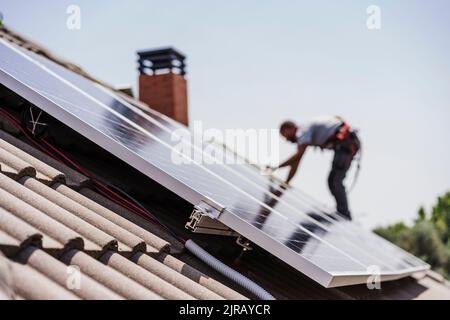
pixel 227 271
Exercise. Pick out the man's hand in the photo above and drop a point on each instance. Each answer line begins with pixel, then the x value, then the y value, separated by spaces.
pixel 269 170
pixel 285 186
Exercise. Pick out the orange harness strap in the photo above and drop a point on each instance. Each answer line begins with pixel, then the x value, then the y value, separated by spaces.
pixel 344 132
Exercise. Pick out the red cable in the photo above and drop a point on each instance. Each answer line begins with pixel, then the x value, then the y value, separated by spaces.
pixel 17 125
pixel 120 201
pixel 121 204
pixel 122 198
pixel 91 176
pixel 85 172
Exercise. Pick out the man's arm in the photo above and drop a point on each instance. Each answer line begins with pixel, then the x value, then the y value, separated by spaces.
pixel 294 162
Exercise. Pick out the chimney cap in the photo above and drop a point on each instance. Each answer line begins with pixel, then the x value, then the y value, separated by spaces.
pixel 167 58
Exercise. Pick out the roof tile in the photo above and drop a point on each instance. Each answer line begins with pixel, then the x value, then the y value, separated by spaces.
pixel 109 277
pixel 6 282
pixel 31 284
pixel 143 277
pixel 44 172
pixel 25 233
pixel 41 221
pixel 14 167
pixel 153 241
pixel 162 241
pixel 72 177
pixel 8 245
pixel 45 206
pixel 59 273
pixel 200 277
pixel 127 239
pixel 173 277
pixel 33 215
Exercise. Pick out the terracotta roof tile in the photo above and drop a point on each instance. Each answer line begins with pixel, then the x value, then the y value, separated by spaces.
pixel 7 240
pixel 438 290
pixel 31 284
pixel 44 172
pixel 46 226
pixel 175 278
pixel 73 178
pixel 199 277
pixel 6 285
pixel 84 229
pixel 84 287
pixel 9 245
pixel 14 167
pixel 41 221
pixel 25 233
pixel 162 241
pixel 154 243
pixel 143 277
pixel 109 277
pixel 98 226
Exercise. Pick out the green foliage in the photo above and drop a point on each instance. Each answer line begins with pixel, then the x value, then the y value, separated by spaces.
pixel 440 216
pixel 428 238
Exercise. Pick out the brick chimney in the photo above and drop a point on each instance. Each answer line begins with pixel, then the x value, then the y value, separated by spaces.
pixel 162 83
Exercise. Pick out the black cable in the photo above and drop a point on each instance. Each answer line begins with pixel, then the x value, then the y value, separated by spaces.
pixel 358 169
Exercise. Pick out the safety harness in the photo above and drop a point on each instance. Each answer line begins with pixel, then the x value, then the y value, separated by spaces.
pixel 346 137
pixel 345 133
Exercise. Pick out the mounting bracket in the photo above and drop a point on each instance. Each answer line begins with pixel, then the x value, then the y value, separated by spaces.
pixel 203 219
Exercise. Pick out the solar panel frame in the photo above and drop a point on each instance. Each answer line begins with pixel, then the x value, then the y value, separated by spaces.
pixel 227 217
pixel 110 94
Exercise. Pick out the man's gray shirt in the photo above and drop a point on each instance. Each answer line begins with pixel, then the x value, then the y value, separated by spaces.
pixel 317 132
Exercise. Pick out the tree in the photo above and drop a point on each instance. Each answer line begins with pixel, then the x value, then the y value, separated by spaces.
pixel 440 216
pixel 429 236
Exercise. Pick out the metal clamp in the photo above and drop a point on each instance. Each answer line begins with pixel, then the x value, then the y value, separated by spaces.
pixel 244 243
pixel 204 219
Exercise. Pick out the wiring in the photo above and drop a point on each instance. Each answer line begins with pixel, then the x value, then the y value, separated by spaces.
pixel 358 169
pixel 125 200
pixel 143 208
pixel 228 272
pixel 36 122
pixel 117 195
pixel 17 124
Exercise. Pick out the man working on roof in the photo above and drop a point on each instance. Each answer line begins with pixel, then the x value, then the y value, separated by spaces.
pixel 327 133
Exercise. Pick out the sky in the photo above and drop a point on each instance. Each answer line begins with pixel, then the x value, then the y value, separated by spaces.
pixel 255 63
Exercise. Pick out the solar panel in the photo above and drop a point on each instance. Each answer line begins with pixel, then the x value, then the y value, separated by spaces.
pixel 286 223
